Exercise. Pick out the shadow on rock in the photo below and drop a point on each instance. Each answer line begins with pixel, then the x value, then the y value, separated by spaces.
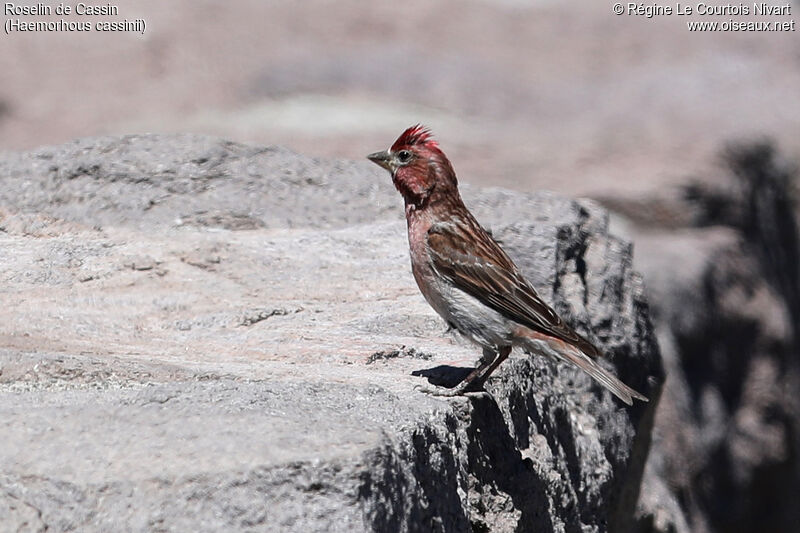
pixel 502 483
pixel 443 375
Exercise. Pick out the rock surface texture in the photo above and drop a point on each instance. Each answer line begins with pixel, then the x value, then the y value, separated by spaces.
pixel 200 335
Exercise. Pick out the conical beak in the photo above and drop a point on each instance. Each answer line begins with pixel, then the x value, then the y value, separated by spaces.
pixel 381 159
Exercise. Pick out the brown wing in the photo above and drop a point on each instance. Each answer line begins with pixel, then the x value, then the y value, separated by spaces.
pixel 479 267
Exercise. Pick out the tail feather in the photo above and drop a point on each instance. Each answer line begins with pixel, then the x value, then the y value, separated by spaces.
pixel 575 356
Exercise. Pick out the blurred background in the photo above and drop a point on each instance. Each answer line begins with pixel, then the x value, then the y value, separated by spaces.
pixel 690 138
pixel 522 94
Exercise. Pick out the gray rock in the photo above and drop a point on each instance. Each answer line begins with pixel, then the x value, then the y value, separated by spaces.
pixel 200 335
pixel 726 303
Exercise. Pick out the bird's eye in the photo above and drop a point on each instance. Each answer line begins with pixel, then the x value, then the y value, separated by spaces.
pixel 404 156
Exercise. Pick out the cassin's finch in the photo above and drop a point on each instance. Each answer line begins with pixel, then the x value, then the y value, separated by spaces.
pixel 468 279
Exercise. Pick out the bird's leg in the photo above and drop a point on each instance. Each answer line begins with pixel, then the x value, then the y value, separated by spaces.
pixel 484 362
pixel 477 378
pixel 502 355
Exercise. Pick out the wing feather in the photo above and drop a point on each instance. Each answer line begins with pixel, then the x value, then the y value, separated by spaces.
pixel 467 256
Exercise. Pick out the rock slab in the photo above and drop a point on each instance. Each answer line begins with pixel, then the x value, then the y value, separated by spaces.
pixel 201 335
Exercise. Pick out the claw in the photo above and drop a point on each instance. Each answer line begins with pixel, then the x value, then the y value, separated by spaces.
pixel 462 389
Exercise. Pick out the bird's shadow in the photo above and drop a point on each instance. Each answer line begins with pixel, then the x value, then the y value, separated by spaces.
pixel 444 375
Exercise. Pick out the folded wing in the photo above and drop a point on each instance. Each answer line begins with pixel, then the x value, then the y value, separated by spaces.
pixel 469 258
pixel 484 271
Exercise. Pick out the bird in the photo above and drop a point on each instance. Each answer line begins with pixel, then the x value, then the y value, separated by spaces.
pixel 467 277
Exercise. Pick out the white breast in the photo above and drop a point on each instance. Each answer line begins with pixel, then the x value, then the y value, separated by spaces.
pixel 481 324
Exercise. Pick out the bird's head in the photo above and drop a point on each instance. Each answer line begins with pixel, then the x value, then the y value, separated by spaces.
pixel 420 170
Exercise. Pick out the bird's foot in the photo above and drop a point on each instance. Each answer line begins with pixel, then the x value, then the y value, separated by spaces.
pixel 462 389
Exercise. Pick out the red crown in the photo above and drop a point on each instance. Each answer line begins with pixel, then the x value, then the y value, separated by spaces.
pixel 413 136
